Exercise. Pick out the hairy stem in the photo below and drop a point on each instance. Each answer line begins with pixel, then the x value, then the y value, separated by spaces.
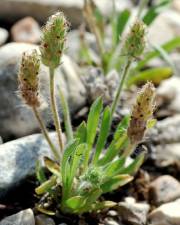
pixel 54 110
pixel 123 77
pixel 45 132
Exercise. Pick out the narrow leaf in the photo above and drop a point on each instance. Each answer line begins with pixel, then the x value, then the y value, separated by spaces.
pixel 168 46
pixel 103 134
pixel 93 119
pixel 75 202
pixel 81 133
pixel 46 186
pixel 114 167
pixel 156 75
pixel 115 182
pixel 52 166
pixel 134 166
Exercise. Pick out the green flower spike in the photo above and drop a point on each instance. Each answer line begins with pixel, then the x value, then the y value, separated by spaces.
pixel 135 41
pixel 28 78
pixel 53 40
pixel 141 113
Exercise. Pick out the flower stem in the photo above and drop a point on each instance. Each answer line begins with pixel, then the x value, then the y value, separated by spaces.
pixel 123 77
pixel 54 110
pixel 45 132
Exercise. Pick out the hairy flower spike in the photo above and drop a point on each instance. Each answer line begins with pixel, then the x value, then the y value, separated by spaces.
pixel 28 78
pixel 53 40
pixel 142 111
pixel 135 41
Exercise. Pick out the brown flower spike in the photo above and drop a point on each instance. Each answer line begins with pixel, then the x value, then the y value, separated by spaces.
pixel 28 78
pixel 141 113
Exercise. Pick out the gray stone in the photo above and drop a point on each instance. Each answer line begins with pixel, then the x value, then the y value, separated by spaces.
pixel 164 28
pixel 18 159
pixel 26 30
pixel 3 36
pixel 166 131
pixel 133 213
pixel 15 118
pixel 168 154
pixel 166 214
pixel 164 189
pixel 165 137
pixel 25 217
pixel 168 92
pixel 44 220
pixel 12 10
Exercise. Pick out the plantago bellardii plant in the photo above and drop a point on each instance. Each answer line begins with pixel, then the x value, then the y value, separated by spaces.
pixel 81 175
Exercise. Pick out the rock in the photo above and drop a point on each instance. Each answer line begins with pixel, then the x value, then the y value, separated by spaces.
pixel 164 189
pixel 133 213
pixel 26 30
pixel 44 220
pixel 16 120
pixel 166 131
pixel 12 10
pixel 165 27
pixel 74 45
pixel 18 160
pixel 168 94
pixel 165 137
pixel 110 221
pixel 99 85
pixel 167 155
pixel 166 214
pixel 3 36
pixel 25 217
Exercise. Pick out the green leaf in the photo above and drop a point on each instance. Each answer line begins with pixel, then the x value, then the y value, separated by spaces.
pixel 68 152
pixel 93 120
pixel 45 211
pixel 115 182
pixel 46 186
pixel 134 166
pixel 91 197
pixel 114 167
pixel 40 172
pixel 78 154
pixel 118 142
pixel 103 134
pixel 154 11
pixel 66 115
pixel 75 202
pixel 156 75
pixel 53 167
pixel 92 125
pixel 102 205
pixel 81 132
pixel 151 123
pixel 119 24
pixel 168 46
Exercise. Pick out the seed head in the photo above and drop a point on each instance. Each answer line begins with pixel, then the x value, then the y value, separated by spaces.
pixel 53 40
pixel 142 111
pixel 135 40
pixel 28 77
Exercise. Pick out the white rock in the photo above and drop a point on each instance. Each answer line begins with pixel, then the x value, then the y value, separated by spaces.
pixel 25 217
pixel 133 213
pixel 166 214
pixel 164 28
pixel 3 36
pixel 164 189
